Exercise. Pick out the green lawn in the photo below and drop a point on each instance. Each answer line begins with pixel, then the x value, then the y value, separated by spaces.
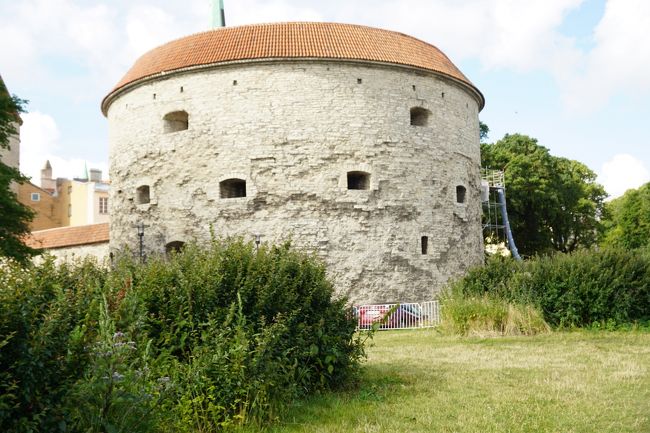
pixel 419 381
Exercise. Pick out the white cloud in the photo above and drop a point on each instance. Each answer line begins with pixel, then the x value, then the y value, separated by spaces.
pixel 255 11
pixel 148 26
pixel 619 63
pixel 621 173
pixel 39 136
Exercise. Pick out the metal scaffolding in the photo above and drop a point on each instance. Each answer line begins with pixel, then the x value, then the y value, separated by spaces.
pixel 496 227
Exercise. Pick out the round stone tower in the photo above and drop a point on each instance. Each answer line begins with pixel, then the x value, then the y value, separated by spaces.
pixel 358 144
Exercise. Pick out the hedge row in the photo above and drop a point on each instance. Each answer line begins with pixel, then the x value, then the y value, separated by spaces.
pixel 572 290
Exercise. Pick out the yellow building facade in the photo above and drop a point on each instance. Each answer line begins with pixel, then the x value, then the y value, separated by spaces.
pixel 64 202
pixel 47 213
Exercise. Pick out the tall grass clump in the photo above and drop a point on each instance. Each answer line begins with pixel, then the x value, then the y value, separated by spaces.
pixel 489 316
pixel 204 340
pixel 571 290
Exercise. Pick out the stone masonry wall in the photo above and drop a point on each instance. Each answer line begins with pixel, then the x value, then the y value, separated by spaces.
pixel 99 251
pixel 292 130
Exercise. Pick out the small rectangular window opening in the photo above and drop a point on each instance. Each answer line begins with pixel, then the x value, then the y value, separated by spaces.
pixel 358 180
pixel 181 89
pixel 460 194
pixel 175 121
pixel 419 116
pixel 359 81
pixel 424 242
pixel 142 194
pixel 36 196
pixel 234 82
pixel 232 188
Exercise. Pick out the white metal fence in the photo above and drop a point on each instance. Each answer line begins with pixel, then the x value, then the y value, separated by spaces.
pixel 407 315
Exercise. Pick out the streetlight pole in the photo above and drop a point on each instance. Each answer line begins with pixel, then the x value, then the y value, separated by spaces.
pixel 140 228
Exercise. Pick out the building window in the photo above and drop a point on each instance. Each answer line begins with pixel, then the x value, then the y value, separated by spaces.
pixel 174 247
pixel 424 242
pixel 36 196
pixel 176 121
pixel 358 180
pixel 420 116
pixel 69 210
pixel 460 194
pixel 103 205
pixel 232 188
pixel 142 194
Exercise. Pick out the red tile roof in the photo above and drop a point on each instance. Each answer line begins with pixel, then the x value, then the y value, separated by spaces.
pixel 68 236
pixel 290 41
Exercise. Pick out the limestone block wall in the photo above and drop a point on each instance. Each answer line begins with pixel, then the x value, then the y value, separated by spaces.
pixel 292 131
pixel 99 251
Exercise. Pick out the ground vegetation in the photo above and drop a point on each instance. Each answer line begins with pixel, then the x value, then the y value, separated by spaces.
pixel 205 340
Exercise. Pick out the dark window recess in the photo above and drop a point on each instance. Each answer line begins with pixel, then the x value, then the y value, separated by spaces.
pixel 174 247
pixel 358 180
pixel 142 194
pixel 176 121
pixel 419 116
pixel 232 188
pixel 359 81
pixel 424 242
pixel 460 194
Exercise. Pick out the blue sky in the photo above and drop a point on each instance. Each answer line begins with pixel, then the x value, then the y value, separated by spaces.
pixel 575 74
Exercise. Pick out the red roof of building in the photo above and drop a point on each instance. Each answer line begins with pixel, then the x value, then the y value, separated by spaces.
pixel 63 237
pixel 290 41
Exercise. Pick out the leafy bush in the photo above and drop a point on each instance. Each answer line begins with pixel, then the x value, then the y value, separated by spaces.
pixel 43 314
pixel 203 340
pixel 576 289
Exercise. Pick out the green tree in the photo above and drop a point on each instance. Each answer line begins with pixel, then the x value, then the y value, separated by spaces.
pixel 554 204
pixel 484 130
pixel 14 216
pixel 627 221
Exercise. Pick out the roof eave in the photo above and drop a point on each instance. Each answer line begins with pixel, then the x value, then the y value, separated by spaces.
pixel 108 99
